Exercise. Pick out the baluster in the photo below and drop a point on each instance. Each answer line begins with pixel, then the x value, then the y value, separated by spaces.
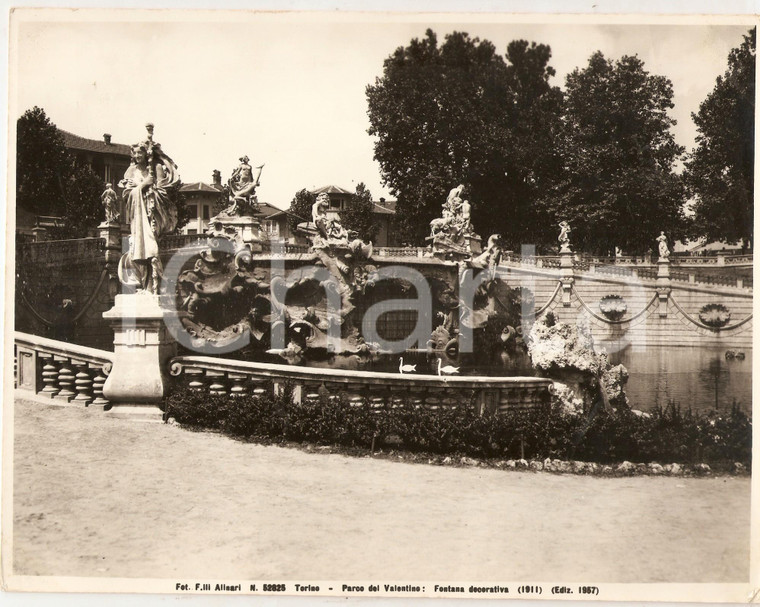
pixel 216 379
pixel 312 391
pixel 260 391
pixel 66 379
pixel 82 383
pixel 196 379
pixel 49 375
pixel 239 387
pixel 97 386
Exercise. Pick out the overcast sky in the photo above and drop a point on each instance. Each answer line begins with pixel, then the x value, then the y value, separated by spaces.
pixel 289 90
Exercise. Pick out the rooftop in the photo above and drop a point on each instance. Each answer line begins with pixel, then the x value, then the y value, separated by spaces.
pixel 200 186
pixel 103 146
pixel 331 189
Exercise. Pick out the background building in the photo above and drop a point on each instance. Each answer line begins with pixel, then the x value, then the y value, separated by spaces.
pixel 383 212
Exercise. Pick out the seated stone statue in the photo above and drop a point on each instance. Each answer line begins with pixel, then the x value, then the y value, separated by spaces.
pixel 243 188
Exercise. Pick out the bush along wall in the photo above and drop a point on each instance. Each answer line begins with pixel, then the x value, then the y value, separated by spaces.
pixel 547 435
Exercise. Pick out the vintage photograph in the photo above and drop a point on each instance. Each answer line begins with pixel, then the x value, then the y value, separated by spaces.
pixel 380 304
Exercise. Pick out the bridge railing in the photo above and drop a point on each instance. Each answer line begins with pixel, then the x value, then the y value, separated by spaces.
pixel 60 370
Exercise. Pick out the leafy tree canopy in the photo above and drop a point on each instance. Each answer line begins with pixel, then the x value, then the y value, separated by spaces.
pixel 43 165
pixel 300 208
pixel 616 186
pixel 461 113
pixel 358 214
pixel 82 205
pixel 720 171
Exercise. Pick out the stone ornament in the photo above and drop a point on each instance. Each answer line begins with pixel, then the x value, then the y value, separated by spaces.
pixel 714 315
pixel 148 185
pixel 613 307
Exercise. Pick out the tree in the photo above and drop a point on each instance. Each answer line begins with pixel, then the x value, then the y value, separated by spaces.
pixel 43 165
pixel 300 208
pixel 617 187
pixel 358 215
pixel 459 113
pixel 720 170
pixel 83 207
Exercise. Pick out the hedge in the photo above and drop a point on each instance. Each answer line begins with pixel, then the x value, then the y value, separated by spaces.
pixel 666 435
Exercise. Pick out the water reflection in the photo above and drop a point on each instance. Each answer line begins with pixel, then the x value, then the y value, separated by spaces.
pixel 700 378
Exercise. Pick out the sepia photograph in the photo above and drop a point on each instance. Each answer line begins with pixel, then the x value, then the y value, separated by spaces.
pixel 380 304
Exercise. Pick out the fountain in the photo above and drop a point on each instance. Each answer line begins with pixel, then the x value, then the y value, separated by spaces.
pixel 448 312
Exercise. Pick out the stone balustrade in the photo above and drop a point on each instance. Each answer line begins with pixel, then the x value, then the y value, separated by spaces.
pixel 231 377
pixel 65 372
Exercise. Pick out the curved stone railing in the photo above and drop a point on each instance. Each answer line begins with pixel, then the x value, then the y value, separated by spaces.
pixel 62 371
pixel 232 377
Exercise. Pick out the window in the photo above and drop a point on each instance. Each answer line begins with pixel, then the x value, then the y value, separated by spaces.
pixel 206 210
pixel 193 210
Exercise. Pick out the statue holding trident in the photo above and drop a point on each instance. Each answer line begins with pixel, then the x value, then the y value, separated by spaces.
pixel 243 186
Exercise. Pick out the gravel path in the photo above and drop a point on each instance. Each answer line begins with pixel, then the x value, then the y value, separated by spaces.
pixel 95 496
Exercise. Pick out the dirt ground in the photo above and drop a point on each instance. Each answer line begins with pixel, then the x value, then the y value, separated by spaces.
pixel 105 497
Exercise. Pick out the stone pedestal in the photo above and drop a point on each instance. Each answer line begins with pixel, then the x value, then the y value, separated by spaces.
pixel 663 285
pixel 244 231
pixel 111 233
pixel 474 243
pixel 39 234
pixel 566 275
pixel 142 345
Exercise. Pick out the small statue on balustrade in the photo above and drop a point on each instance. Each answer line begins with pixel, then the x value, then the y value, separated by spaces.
pixel 109 198
pixel 662 241
pixel 564 237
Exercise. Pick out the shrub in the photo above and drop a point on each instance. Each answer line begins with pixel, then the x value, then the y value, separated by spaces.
pixel 667 435
pixel 197 409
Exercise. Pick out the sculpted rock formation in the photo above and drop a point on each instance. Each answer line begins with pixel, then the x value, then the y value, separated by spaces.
pixel 565 353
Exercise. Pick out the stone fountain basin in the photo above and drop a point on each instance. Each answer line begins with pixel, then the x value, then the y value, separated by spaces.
pixel 379 388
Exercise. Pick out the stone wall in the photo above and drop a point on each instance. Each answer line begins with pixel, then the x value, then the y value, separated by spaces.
pixel 645 321
pixel 62 290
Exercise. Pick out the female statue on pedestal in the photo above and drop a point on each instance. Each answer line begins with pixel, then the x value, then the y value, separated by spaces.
pixel 662 245
pixel 150 210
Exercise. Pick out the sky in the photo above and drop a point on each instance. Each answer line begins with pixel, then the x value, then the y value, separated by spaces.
pixel 288 90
